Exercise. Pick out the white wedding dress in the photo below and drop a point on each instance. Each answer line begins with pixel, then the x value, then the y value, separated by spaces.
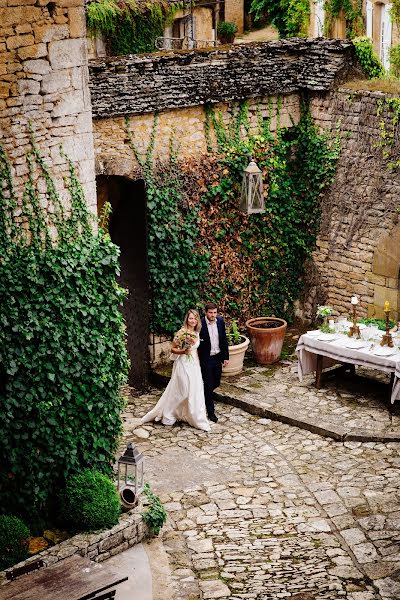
pixel 183 398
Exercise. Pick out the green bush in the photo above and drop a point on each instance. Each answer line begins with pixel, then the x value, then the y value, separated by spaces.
pixel 226 31
pixel 290 17
pixel 367 58
pixel 90 501
pixel 156 515
pixel 62 346
pixel 395 60
pixel 13 541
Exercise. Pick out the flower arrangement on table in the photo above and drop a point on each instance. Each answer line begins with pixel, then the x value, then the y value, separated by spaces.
pixel 324 312
pixel 184 340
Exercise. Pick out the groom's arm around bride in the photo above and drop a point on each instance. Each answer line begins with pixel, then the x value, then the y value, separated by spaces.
pixel 213 354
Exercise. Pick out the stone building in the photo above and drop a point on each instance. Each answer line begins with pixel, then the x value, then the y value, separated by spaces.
pixel 377 25
pixel 45 78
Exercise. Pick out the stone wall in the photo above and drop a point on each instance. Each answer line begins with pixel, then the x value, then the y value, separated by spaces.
pixel 168 80
pixel 97 546
pixel 115 157
pixel 358 248
pixel 44 79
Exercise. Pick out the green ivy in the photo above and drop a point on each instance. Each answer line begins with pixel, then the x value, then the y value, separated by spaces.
pixel 298 163
pixel 176 268
pixel 129 27
pixel 156 515
pixel 388 138
pixel 62 350
pixel 367 58
pixel 352 12
pixel 290 17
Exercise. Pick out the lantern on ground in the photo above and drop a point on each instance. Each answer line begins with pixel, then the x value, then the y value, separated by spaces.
pixel 130 476
pixel 252 198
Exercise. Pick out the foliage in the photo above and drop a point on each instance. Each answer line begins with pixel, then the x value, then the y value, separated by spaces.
pixel 226 31
pixel 156 515
pixel 395 60
pixel 90 501
pixel 367 58
pixel 324 311
pixel 14 536
pixel 290 17
pixel 129 26
pixel 389 108
pixel 380 323
pixel 233 334
pixel 324 328
pixel 352 12
pixel 257 261
pixel 62 347
pixel 176 268
pixel 395 13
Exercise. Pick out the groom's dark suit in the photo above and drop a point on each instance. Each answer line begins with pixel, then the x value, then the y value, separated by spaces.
pixel 211 366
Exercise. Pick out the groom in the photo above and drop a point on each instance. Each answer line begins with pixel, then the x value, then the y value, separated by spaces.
pixel 213 353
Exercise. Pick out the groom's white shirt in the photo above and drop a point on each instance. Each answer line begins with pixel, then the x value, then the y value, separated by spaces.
pixel 214 336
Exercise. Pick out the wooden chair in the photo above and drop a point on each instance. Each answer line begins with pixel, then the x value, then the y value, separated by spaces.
pixel 18 571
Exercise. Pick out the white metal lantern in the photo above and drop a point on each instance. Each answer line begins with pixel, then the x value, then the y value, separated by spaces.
pixel 252 198
pixel 130 475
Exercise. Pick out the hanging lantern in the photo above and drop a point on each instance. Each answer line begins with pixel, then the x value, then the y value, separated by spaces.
pixel 252 198
pixel 130 476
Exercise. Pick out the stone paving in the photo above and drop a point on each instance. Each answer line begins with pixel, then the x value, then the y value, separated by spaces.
pixel 259 509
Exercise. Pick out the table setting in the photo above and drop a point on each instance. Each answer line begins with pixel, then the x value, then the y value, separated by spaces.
pixel 348 342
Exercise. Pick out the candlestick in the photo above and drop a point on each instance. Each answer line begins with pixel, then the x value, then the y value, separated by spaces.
pixel 354 329
pixel 387 337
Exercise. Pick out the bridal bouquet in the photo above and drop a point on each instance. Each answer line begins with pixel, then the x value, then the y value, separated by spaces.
pixel 185 340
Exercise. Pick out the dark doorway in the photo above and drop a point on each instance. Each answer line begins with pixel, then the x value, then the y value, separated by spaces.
pixel 128 230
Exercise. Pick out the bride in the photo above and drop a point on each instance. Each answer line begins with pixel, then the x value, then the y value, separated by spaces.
pixel 183 399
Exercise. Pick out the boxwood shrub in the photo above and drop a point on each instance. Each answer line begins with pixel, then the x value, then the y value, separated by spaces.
pixel 14 536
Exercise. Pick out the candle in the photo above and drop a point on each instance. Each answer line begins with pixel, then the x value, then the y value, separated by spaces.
pixel 386 307
pixel 354 300
pixel 331 323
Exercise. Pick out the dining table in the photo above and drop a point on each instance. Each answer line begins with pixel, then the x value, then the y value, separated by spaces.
pixel 74 578
pixel 317 350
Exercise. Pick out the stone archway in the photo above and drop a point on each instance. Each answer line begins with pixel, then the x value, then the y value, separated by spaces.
pixel 128 230
pixel 385 269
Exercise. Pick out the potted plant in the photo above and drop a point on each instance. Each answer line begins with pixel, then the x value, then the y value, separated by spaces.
pixel 226 32
pixel 266 335
pixel 238 345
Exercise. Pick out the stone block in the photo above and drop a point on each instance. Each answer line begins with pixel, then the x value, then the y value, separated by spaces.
pixel 70 103
pixel 17 41
pixel 35 51
pixel 111 542
pixel 387 256
pixel 28 86
pixel 381 294
pixel 57 81
pixel 24 28
pixel 4 89
pixel 19 14
pixel 67 53
pixel 51 33
pixel 39 66
pixel 77 22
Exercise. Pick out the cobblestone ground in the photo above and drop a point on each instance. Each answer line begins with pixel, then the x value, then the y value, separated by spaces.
pixel 262 510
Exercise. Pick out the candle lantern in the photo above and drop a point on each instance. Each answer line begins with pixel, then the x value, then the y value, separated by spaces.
pixel 354 329
pixel 387 337
pixel 130 476
pixel 252 197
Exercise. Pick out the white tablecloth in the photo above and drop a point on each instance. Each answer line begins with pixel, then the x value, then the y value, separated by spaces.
pixel 335 351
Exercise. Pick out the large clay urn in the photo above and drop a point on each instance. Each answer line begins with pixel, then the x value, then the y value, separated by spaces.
pixel 266 336
pixel 236 357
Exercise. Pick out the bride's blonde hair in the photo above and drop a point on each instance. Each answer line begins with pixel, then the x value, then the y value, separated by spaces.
pixel 196 315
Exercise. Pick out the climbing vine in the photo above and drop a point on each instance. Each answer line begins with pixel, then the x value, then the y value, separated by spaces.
pixel 130 27
pixel 351 11
pixel 367 58
pixel 202 247
pixel 389 107
pixel 290 17
pixel 62 346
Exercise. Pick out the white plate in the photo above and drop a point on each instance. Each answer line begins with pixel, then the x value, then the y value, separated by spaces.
pixel 384 351
pixel 327 337
pixel 356 344
pixel 314 333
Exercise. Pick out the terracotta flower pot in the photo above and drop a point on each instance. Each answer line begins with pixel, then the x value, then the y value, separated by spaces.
pixel 266 339
pixel 236 357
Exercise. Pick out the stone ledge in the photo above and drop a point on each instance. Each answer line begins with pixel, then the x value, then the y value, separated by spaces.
pixel 139 84
pixel 97 546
